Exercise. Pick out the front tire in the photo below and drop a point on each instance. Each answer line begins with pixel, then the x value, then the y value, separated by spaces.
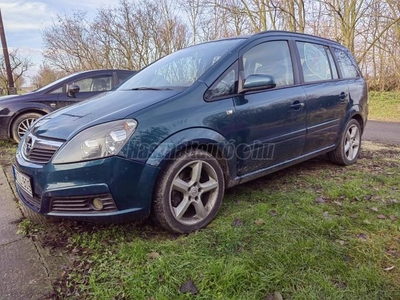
pixel 348 150
pixel 189 192
pixel 21 125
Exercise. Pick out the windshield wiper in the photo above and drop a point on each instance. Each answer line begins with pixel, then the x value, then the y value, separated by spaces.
pixel 151 88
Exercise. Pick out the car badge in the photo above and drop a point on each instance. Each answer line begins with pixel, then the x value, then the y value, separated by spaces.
pixel 29 144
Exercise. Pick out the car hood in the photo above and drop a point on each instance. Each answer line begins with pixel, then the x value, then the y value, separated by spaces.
pixel 65 123
pixel 8 97
pixel 11 98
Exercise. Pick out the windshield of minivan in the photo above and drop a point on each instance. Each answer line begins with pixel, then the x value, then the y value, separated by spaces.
pixel 180 69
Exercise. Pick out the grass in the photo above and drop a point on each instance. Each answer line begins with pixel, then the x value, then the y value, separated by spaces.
pixel 384 106
pixel 7 151
pixel 313 231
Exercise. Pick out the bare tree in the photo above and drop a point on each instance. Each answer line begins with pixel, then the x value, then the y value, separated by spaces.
pixel 133 34
pixel 69 43
pixel 128 36
pixel 194 10
pixel 381 56
pixel 292 14
pixel 19 65
pixel 46 75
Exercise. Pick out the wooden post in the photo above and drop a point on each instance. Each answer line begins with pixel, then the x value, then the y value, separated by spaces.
pixel 11 89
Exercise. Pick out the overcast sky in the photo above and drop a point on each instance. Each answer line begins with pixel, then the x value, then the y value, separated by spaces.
pixel 24 21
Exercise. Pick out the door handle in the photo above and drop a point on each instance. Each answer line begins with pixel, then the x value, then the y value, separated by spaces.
pixel 297 105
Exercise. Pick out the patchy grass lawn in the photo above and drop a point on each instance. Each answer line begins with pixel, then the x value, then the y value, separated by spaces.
pixel 7 152
pixel 384 106
pixel 313 231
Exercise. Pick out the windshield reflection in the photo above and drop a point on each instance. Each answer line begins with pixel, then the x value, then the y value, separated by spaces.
pixel 180 69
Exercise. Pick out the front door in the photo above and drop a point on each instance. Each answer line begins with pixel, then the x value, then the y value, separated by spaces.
pixel 89 87
pixel 271 123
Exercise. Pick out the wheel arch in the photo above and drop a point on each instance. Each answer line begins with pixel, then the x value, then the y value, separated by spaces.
pixel 356 113
pixel 360 121
pixel 23 112
pixel 197 138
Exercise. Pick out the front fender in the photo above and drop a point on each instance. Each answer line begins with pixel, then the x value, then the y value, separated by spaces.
pixel 194 137
pixel 20 108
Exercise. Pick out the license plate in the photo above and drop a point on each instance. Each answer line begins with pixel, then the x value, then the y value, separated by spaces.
pixel 24 182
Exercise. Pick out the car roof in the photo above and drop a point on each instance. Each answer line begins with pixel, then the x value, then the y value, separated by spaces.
pixel 102 70
pixel 296 34
pixel 281 33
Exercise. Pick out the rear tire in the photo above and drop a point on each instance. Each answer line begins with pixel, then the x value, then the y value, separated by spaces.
pixel 189 192
pixel 348 150
pixel 21 125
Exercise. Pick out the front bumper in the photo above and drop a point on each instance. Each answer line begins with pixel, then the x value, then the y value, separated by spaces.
pixel 124 187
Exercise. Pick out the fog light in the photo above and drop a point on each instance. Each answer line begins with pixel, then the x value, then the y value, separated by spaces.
pixel 97 204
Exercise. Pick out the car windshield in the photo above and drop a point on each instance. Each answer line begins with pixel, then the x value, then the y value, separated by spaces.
pixel 180 69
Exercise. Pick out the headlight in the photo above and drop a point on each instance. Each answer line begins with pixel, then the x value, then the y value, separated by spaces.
pixel 97 142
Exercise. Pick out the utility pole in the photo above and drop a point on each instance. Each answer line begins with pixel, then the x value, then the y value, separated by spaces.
pixel 11 89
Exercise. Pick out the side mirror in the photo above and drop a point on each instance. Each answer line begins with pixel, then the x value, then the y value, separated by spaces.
pixel 73 89
pixel 258 82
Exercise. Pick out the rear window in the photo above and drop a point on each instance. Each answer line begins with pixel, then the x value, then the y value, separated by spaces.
pixel 346 64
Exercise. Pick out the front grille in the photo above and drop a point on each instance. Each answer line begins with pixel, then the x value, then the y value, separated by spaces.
pixel 82 204
pixel 32 202
pixel 39 150
pixel 41 155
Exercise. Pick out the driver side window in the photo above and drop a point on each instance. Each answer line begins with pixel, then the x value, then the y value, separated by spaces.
pixel 94 84
pixel 270 58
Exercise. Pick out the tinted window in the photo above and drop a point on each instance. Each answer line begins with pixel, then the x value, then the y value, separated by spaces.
pixel 122 76
pixel 270 58
pixel 346 65
pixel 335 73
pixel 94 84
pixel 314 62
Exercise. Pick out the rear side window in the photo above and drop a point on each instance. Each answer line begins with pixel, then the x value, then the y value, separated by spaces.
pixel 335 74
pixel 346 64
pixel 316 65
pixel 270 58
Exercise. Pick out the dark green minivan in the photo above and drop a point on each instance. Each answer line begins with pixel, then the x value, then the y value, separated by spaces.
pixel 171 139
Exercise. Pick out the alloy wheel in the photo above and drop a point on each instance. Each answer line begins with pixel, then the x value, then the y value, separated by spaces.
pixel 24 125
pixel 194 192
pixel 352 142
